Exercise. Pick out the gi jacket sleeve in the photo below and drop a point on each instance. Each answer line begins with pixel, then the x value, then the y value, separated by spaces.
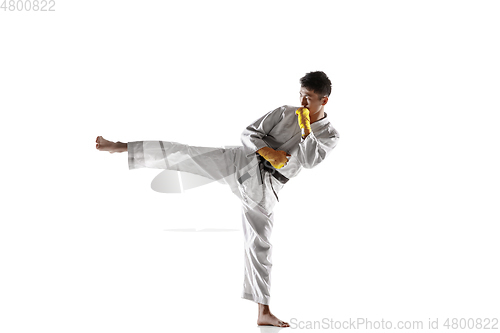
pixel 316 147
pixel 252 136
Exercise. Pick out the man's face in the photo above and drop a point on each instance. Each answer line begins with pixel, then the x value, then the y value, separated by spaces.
pixel 309 99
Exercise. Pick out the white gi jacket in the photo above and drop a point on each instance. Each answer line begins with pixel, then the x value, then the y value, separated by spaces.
pixel 280 130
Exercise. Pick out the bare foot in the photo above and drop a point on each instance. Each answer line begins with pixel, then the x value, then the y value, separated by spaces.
pixel 104 145
pixel 267 318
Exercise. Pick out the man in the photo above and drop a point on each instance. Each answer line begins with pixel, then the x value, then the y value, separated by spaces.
pixel 275 148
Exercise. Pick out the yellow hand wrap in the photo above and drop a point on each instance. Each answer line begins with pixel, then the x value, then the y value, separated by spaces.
pixel 304 120
pixel 277 158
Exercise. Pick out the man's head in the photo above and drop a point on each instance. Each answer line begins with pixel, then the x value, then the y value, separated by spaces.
pixel 315 88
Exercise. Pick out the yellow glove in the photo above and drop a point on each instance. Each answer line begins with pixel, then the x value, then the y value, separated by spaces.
pixel 304 121
pixel 277 158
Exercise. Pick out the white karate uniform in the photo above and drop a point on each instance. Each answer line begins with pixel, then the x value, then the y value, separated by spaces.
pixel 238 167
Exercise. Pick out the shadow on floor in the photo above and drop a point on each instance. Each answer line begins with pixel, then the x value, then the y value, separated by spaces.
pixel 270 329
pixel 201 230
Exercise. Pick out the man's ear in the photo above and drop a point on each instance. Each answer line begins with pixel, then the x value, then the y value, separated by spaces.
pixel 325 100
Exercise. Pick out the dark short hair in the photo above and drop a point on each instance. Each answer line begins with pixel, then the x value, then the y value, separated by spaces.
pixel 317 82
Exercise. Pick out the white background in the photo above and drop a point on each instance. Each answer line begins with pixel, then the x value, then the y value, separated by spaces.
pixel 401 222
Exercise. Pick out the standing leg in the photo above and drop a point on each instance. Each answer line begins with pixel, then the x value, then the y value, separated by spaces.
pixel 258 201
pixel 257 227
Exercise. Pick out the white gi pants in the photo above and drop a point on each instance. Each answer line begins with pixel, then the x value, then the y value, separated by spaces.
pixel 228 166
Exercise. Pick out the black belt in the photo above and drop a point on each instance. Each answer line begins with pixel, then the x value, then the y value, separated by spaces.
pixel 265 165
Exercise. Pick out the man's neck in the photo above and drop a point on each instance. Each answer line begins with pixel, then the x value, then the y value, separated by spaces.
pixel 317 116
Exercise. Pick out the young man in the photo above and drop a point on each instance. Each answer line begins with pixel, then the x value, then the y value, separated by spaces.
pixel 275 148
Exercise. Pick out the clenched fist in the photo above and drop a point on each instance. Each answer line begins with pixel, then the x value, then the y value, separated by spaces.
pixel 304 121
pixel 277 158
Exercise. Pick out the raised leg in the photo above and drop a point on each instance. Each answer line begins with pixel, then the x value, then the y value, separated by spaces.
pixel 215 163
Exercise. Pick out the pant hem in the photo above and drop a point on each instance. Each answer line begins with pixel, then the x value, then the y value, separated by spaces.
pixel 250 297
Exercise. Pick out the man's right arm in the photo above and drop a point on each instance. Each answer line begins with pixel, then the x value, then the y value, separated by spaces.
pixel 253 134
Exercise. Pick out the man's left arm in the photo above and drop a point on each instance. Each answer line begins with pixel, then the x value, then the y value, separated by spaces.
pixel 313 149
